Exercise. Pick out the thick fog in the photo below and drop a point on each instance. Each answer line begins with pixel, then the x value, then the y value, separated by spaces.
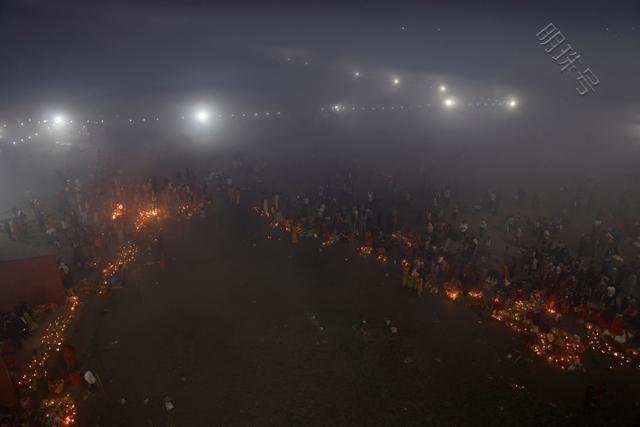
pixel 140 59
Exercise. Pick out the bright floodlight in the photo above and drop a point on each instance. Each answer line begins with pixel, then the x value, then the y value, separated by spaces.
pixel 449 102
pixel 443 88
pixel 396 81
pixel 59 120
pixel 356 74
pixel 202 116
pixel 512 103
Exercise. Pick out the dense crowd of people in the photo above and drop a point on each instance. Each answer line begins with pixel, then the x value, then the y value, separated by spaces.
pixel 497 243
pixel 497 249
pixel 445 243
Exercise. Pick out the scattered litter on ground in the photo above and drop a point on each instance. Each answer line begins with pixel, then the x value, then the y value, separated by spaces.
pixel 90 378
pixel 168 405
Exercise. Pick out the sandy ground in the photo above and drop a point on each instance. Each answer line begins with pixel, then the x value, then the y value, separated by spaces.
pixel 241 330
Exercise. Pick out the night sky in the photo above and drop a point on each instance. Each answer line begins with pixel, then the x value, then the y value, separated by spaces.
pixel 102 53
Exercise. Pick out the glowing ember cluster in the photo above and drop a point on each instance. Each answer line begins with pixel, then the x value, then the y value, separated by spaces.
pixel 381 258
pixel 125 256
pixel 59 411
pixel 475 294
pixel 452 293
pixel 329 242
pixel 118 211
pixel 145 217
pixel 365 250
pixel 557 347
pixel 604 346
pixel 189 208
pixel 51 342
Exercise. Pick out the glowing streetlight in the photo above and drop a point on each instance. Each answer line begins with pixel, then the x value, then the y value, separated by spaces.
pixel 512 103
pixel 202 116
pixel 202 119
pixel 449 102
pixel 443 88
pixel 59 120
pixel 396 81
pixel 356 74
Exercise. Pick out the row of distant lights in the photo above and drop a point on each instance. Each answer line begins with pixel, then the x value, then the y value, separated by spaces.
pixel 58 121
pixel 202 116
pixel 28 138
pixel 205 116
pixel 447 102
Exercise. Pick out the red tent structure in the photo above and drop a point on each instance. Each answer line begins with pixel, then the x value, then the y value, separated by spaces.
pixel 33 280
